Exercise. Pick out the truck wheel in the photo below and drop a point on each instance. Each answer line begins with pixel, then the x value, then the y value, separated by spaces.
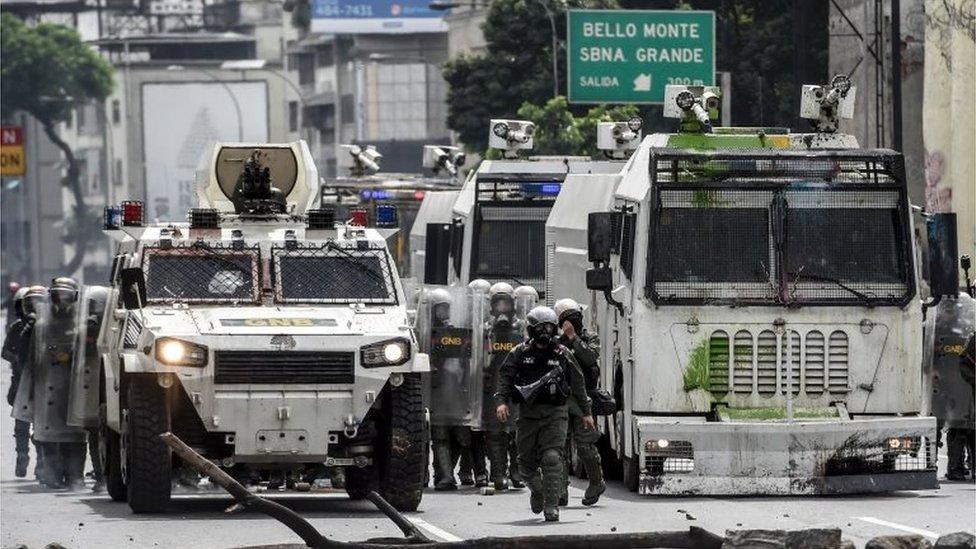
pixel 402 473
pixel 631 474
pixel 359 482
pixel 110 453
pixel 149 463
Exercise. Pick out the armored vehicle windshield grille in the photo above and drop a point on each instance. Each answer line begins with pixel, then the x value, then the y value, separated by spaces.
pixel 283 367
pixel 510 243
pixel 198 274
pixel 785 227
pixel 333 274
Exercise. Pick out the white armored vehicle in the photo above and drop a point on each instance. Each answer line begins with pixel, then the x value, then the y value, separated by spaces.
pixel 267 336
pixel 493 228
pixel 757 300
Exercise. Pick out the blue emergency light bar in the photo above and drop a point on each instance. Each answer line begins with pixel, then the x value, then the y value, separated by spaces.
pixel 386 216
pixel 541 189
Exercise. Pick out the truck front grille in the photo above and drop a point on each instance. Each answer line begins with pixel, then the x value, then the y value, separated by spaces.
pixel 288 367
pixel 758 362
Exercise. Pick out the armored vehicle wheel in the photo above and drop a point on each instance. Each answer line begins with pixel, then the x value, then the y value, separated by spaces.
pixel 359 481
pixel 148 461
pixel 631 474
pixel 110 453
pixel 402 461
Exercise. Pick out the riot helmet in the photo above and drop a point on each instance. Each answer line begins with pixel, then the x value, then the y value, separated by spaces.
pixel 440 305
pixel 541 325
pixel 19 302
pixel 525 299
pixel 34 300
pixel 64 293
pixel 569 309
pixel 479 286
pixel 501 298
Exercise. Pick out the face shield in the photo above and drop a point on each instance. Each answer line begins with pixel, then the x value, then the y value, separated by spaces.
pixel 63 298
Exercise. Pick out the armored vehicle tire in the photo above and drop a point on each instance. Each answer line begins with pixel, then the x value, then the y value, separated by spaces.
pixel 631 474
pixel 359 482
pixel 148 461
pixel 110 453
pixel 403 465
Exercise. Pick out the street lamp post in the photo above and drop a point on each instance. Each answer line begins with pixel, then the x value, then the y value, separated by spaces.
pixel 443 5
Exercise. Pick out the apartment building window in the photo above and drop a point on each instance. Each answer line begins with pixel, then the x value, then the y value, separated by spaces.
pixel 81 116
pixel 116 111
pixel 293 116
pixel 117 172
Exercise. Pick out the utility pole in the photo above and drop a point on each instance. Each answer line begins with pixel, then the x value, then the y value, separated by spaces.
pixel 896 75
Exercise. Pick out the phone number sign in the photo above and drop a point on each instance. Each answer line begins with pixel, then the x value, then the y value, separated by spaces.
pixel 629 56
pixel 375 16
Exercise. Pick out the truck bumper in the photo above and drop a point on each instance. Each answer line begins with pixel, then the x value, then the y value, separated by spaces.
pixel 778 458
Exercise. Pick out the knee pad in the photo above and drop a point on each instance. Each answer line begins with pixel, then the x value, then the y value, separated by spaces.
pixel 552 458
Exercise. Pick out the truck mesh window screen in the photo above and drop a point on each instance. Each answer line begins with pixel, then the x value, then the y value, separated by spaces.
pixel 835 240
pixel 201 275
pixel 745 166
pixel 511 243
pixel 712 245
pixel 840 215
pixel 330 274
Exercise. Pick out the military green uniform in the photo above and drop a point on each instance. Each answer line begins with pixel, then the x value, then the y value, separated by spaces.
pixel 542 424
pixel 585 351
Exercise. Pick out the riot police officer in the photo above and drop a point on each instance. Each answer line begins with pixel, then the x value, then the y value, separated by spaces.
pixel 61 445
pixel 36 308
pixel 540 375
pixel 585 349
pixel 504 332
pixel 16 351
pixel 449 436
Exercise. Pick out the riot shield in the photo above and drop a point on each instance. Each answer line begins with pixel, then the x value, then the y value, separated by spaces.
pixel 526 298
pixel 445 332
pixel 952 396
pixel 23 408
pixel 478 300
pixel 55 337
pixel 85 367
pixel 504 329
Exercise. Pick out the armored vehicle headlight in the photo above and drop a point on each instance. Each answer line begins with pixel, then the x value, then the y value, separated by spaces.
pixel 176 352
pixel 391 352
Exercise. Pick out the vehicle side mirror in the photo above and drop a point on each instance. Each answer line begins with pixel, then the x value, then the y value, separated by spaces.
pixel 437 250
pixel 599 279
pixel 943 254
pixel 133 287
pixel 599 236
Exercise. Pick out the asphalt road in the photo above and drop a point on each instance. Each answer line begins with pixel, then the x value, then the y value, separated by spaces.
pixel 32 516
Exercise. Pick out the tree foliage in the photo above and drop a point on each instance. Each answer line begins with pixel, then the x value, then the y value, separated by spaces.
pixel 559 131
pixel 516 66
pixel 46 71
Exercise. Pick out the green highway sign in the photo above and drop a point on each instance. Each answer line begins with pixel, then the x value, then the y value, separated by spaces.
pixel 628 56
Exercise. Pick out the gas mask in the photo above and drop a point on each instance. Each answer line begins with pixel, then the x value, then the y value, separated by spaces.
pixel 502 309
pixel 542 334
pixel 63 299
pixel 575 318
pixel 441 313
